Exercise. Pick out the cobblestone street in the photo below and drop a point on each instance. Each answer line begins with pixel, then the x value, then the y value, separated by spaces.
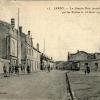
pixel 36 86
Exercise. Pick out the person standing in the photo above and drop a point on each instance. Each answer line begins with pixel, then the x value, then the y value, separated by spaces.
pixel 28 69
pixel 16 69
pixel 10 68
pixel 5 71
pixel 85 71
pixel 88 69
pixel 49 68
pixel 24 68
pixel 21 68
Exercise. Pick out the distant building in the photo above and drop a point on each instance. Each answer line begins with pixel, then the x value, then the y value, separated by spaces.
pixel 36 58
pixel 52 64
pixel 46 61
pixel 82 59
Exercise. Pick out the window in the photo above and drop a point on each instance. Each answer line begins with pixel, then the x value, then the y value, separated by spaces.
pixel 96 64
pixel 94 57
pixel 32 52
pixel 29 51
pixel 86 64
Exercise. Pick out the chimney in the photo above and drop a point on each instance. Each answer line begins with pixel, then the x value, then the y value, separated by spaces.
pixel 68 55
pixel 38 46
pixel 78 51
pixel 20 29
pixel 29 32
pixel 13 22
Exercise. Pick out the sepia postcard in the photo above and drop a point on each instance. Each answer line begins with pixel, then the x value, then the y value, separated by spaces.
pixel 49 49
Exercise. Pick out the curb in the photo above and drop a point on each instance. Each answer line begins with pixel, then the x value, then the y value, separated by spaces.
pixel 70 93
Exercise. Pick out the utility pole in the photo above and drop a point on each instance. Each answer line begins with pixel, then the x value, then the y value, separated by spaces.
pixel 18 39
pixel 44 47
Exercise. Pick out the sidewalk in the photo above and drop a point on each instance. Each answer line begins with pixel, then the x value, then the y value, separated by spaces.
pixel 85 87
pixel 36 86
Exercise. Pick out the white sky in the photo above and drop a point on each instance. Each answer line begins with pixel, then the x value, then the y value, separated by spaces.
pixel 62 33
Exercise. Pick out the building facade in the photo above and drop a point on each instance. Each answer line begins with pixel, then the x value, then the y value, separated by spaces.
pixel 82 59
pixel 17 49
pixel 46 61
pixel 9 38
pixel 30 55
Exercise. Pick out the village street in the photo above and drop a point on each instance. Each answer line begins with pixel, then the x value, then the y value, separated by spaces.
pixel 39 85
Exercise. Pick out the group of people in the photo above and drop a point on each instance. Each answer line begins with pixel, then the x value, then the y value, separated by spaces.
pixel 15 69
pixel 48 68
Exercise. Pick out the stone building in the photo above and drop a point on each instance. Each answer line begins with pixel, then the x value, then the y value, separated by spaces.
pixel 43 61
pixel 36 58
pixel 8 44
pixel 16 47
pixel 46 61
pixel 23 47
pixel 82 59
pixel 30 55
